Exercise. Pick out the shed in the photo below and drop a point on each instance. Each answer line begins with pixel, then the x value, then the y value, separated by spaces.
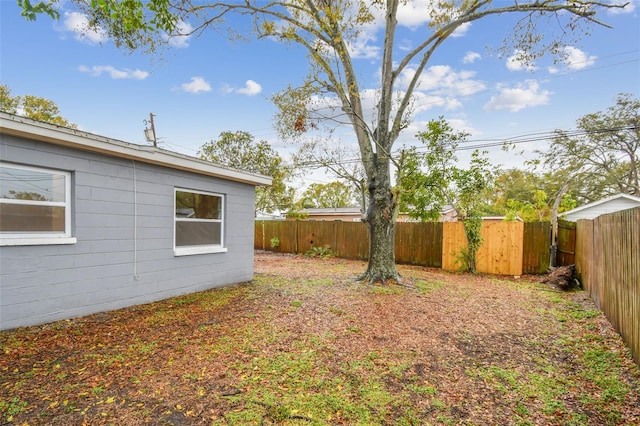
pixel 90 224
pixel 606 205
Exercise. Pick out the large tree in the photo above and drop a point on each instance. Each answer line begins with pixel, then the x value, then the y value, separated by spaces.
pixel 329 30
pixel 600 158
pixel 239 150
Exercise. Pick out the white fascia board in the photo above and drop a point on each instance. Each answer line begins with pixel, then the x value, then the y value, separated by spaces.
pixel 599 202
pixel 63 136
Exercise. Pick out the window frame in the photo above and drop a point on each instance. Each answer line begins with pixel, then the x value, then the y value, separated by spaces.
pixel 204 248
pixel 18 238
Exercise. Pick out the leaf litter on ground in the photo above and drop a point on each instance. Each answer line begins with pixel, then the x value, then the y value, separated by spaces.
pixel 305 344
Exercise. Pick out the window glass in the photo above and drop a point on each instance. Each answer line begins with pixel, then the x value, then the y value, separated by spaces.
pixel 198 219
pixel 31 184
pixel 34 202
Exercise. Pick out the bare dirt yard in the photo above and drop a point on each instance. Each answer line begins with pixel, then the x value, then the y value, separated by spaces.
pixel 303 344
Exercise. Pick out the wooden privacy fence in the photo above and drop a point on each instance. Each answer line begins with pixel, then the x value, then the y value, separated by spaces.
pixel 509 248
pixel 608 266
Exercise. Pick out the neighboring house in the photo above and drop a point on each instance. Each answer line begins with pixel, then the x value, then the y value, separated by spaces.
pixel 606 205
pixel 345 214
pixel 90 224
pixel 353 214
pixel 500 219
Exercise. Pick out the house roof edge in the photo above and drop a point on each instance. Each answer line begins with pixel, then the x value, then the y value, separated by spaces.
pixel 599 202
pixel 58 135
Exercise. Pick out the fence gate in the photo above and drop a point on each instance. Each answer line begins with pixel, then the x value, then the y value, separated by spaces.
pixel 566 254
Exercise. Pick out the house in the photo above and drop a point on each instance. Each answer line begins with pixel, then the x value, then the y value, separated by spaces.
pixel 606 205
pixel 353 214
pixel 90 224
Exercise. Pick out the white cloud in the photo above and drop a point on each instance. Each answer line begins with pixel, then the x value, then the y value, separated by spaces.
pixel 412 14
pixel 114 73
pixel 517 62
pixel 462 30
pixel 196 85
pixel 444 80
pixel 471 57
pixel 251 88
pixel 362 48
pixel 576 59
pixel 182 35
pixel 79 24
pixel 524 95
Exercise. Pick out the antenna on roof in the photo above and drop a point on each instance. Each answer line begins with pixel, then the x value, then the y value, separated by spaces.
pixel 150 132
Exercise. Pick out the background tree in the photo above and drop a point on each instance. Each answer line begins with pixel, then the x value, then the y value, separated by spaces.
pixel 326 30
pixel 600 158
pixel 8 103
pixel 338 160
pixel 240 151
pixel 431 177
pixel 33 107
pixel 526 194
pixel 330 195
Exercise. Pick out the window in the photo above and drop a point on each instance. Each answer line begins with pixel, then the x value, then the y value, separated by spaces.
pixel 199 222
pixel 35 206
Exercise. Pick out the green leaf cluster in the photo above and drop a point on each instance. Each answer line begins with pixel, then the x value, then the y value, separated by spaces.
pixel 429 176
pixel 601 158
pixel 334 194
pixel 240 150
pixel 34 107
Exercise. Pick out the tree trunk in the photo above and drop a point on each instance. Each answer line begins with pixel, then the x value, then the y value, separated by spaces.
pixel 381 223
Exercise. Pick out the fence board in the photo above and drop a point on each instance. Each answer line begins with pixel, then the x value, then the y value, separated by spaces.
pixel 501 250
pixel 316 234
pixel 500 253
pixel 419 243
pixel 584 254
pixel 566 243
pixel 285 232
pixel 352 241
pixel 453 241
pixel 536 247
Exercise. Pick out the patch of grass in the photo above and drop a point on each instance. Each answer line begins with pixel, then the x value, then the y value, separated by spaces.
pixel 141 347
pixel 336 311
pixel 425 390
pixel 387 289
pixel 426 287
pixel 12 407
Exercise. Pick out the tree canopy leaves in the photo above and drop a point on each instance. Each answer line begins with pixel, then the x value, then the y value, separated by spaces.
pixel 600 159
pixel 239 150
pixel 34 107
pixel 334 194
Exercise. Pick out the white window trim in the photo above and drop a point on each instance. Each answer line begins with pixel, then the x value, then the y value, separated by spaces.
pixel 32 239
pixel 201 249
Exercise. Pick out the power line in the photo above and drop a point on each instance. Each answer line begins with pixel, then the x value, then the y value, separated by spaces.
pixel 489 143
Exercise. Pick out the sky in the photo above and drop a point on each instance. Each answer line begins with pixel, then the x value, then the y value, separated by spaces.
pixel 202 86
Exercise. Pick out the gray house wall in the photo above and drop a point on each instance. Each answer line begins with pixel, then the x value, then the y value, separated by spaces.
pixel 123 219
